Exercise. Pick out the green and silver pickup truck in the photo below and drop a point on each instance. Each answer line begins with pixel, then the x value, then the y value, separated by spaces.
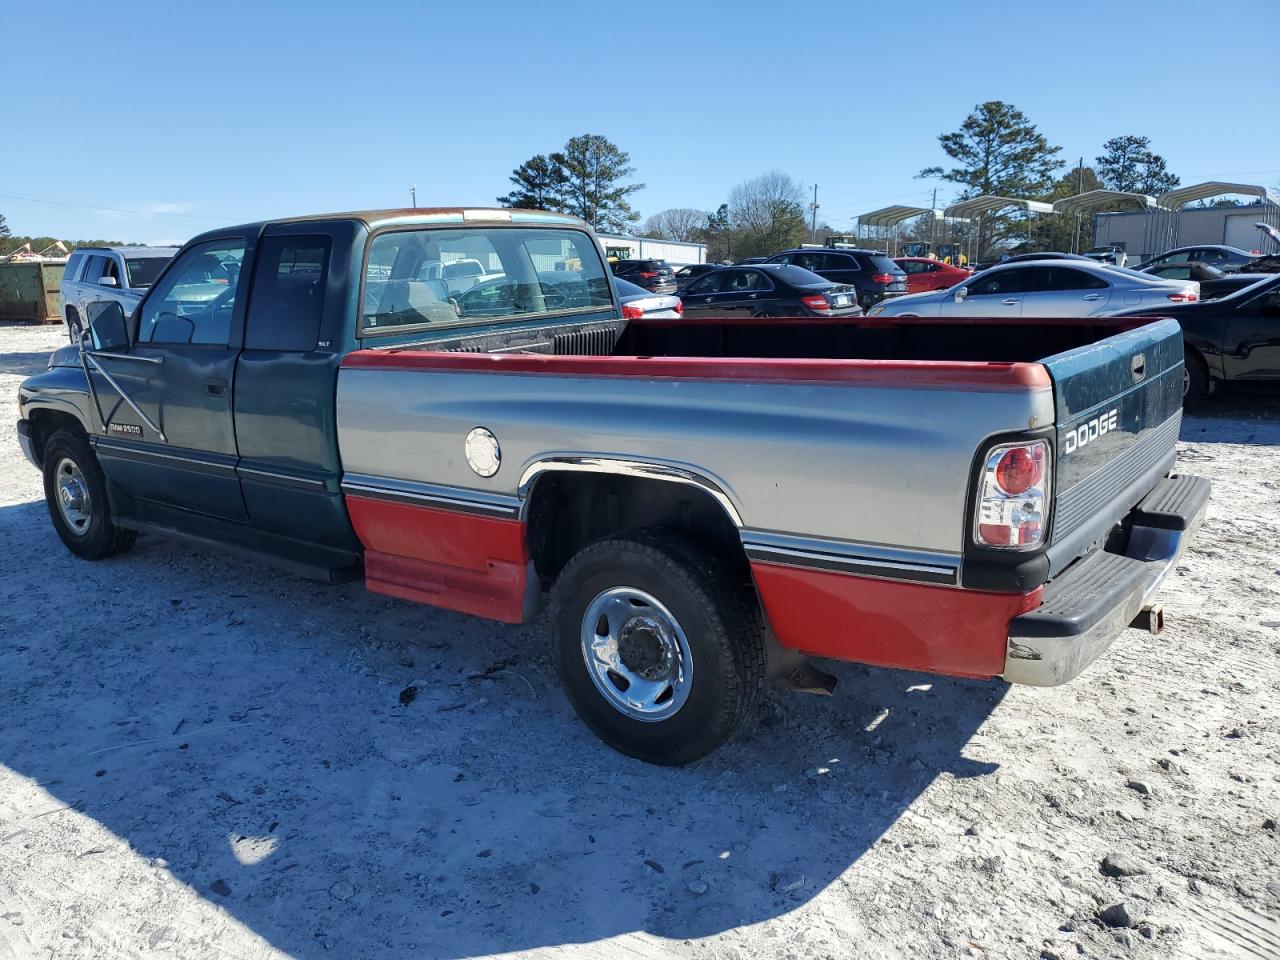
pixel 447 404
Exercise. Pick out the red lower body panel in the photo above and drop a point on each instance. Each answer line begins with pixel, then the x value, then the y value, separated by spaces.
pixel 889 623
pixel 472 564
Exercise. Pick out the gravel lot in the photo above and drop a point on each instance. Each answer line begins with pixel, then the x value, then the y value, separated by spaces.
pixel 202 757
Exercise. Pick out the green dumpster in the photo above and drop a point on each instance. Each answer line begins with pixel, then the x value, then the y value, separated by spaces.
pixel 29 290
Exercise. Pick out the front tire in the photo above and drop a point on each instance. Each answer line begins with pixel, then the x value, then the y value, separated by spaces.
pixel 75 491
pixel 659 650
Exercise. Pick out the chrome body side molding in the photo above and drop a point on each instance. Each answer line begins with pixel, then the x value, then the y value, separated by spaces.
pixel 651 470
pixel 862 559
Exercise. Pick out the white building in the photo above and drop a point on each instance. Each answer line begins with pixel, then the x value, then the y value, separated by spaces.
pixel 675 252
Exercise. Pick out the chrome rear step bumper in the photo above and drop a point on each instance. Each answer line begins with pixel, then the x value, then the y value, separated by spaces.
pixel 1086 607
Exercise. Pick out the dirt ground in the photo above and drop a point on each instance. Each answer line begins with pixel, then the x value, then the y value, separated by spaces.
pixel 202 757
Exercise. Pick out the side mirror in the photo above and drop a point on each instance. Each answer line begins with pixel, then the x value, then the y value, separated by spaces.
pixel 107 328
pixel 108 282
pixel 961 293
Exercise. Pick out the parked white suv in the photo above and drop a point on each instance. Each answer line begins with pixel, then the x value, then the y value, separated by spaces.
pixel 108 273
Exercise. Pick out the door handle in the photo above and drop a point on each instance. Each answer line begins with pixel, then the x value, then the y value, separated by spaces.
pixel 216 387
pixel 1092 296
pixel 1011 301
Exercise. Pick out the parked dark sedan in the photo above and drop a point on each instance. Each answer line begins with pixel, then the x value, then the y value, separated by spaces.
pixel 686 275
pixel 873 274
pixel 1213 282
pixel 768 290
pixel 1232 339
pixel 1214 254
pixel 656 276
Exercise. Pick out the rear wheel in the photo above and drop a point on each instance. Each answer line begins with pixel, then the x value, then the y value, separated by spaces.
pixel 660 652
pixel 75 492
pixel 1195 379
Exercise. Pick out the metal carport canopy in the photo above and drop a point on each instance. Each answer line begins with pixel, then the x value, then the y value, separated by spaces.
pixel 1104 198
pixel 1177 199
pixel 977 206
pixel 891 216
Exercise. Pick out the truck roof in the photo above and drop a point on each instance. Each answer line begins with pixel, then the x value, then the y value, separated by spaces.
pixel 426 216
pixel 134 251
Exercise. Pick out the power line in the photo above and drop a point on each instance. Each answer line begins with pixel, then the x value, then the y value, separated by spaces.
pixel 140 213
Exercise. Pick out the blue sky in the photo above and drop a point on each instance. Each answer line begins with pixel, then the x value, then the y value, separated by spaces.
pixel 183 116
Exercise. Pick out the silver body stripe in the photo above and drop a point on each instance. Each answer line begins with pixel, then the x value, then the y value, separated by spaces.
pixel 430 495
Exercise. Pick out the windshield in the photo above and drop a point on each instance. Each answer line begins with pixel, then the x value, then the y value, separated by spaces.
pixel 144 270
pixel 439 276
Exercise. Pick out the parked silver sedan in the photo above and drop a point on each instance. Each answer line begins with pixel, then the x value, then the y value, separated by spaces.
pixel 638 302
pixel 1044 288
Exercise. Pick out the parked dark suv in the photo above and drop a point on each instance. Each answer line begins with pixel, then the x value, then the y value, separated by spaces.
pixel 872 272
pixel 656 276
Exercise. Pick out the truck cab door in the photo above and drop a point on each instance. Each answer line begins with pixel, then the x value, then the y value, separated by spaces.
pixel 167 434
pixel 1251 350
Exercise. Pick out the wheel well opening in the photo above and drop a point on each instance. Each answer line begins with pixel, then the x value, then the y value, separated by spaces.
pixel 45 423
pixel 567 511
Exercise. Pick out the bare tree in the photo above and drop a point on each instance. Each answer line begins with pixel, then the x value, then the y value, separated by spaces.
pixel 767 214
pixel 678 223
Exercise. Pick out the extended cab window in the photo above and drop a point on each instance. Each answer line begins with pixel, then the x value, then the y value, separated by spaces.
pixel 195 300
pixel 439 276
pixel 288 294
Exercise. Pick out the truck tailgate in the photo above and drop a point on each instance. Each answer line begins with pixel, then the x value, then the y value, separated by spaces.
pixel 1118 409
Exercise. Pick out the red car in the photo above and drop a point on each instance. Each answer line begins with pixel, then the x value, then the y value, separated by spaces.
pixel 924 274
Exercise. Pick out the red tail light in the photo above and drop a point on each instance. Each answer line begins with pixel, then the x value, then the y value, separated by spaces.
pixel 648 274
pixel 816 302
pixel 632 312
pixel 679 307
pixel 1020 469
pixel 1013 496
pixel 885 278
pixel 1183 297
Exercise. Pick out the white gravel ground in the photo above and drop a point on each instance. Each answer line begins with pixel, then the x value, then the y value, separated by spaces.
pixel 202 757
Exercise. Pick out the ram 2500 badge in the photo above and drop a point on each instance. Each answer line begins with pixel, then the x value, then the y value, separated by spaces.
pixel 706 503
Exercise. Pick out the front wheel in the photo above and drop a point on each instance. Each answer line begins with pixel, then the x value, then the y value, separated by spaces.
pixel 75 492
pixel 660 652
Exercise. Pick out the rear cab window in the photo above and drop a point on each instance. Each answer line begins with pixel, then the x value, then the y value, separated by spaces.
pixel 432 277
pixel 288 293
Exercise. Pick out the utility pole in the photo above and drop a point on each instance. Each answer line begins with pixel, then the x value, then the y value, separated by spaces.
pixel 1075 239
pixel 413 193
pixel 813 223
pixel 933 223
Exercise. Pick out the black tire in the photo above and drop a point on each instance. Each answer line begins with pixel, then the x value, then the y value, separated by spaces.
pixel 98 537
pixel 719 619
pixel 74 326
pixel 1195 383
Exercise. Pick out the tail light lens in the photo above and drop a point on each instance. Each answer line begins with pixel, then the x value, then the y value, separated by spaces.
pixel 1013 496
pixel 1183 297
pixel 885 278
pixel 816 301
pixel 679 308
pixel 632 312
pixel 648 274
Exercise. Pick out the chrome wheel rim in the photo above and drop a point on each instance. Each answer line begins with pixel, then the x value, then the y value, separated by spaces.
pixel 636 654
pixel 1186 381
pixel 72 494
